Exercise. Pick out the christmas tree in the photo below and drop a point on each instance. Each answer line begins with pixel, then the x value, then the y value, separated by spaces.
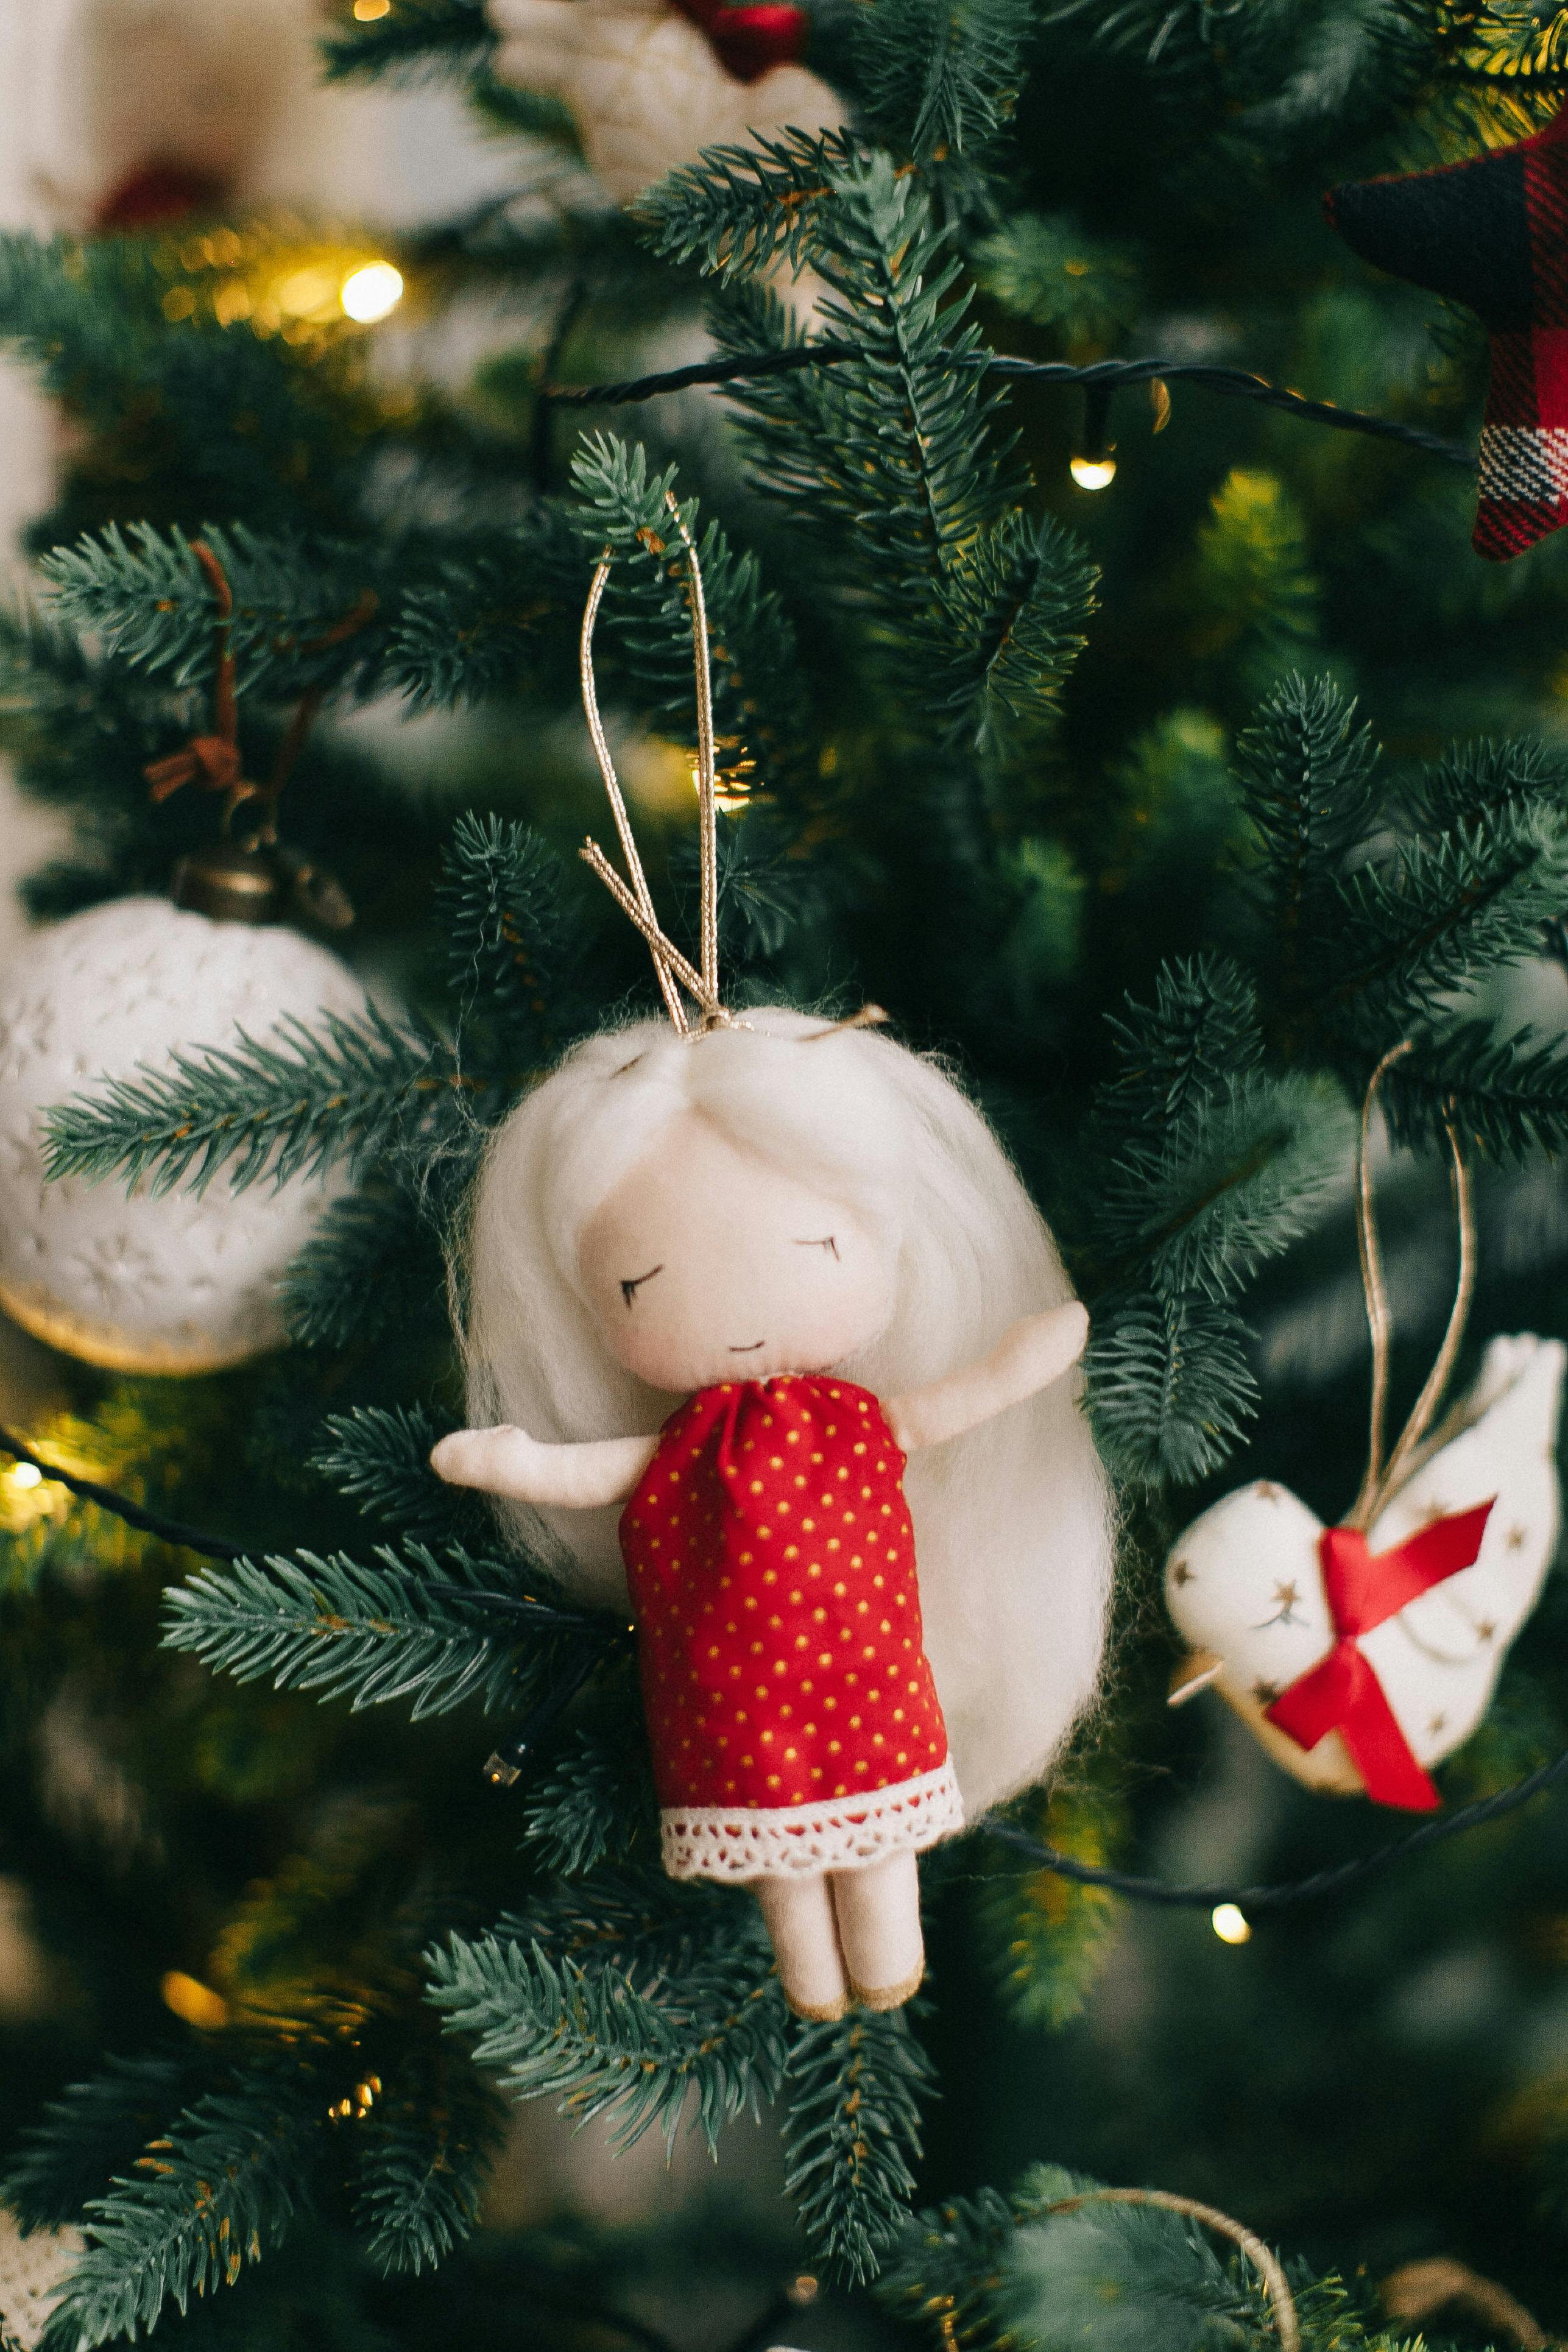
pixel 1105 686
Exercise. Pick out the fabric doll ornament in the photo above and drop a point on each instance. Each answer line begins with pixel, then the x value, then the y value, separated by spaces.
pixel 1362 1655
pixel 1491 232
pixel 143 110
pixel 650 83
pixel 809 1237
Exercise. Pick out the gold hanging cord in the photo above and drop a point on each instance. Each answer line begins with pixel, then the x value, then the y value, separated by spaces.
pixel 674 971
pixel 1382 1480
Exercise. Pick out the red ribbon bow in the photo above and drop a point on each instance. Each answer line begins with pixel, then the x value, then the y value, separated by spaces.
pixel 750 41
pixel 1342 1692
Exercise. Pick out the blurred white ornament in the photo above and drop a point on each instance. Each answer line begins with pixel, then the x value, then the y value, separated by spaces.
pixel 650 83
pixel 183 1282
pixel 1246 1584
pixel 32 2272
pixel 143 109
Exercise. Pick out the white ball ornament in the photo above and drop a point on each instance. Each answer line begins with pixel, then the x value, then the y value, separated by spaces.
pixel 184 1282
pixel 1360 1660
pixel 650 83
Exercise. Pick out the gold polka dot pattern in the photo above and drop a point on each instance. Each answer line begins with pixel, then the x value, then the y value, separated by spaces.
pixel 772 1566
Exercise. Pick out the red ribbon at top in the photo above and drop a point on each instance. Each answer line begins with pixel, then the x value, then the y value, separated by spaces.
pixel 1342 1692
pixel 749 41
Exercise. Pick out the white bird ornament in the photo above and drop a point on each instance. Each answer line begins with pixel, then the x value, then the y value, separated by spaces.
pixel 1292 1622
pixel 1363 1653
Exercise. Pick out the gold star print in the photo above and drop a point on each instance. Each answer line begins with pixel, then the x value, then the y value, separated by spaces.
pixel 1286 1596
pixel 1515 1537
pixel 1439 1723
pixel 1181 1574
pixel 1265 1693
pixel 1432 1512
pixel 1267 1491
pixel 1485 1631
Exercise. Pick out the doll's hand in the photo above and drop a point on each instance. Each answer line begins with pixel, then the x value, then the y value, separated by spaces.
pixel 1040 1349
pixel 1027 1359
pixel 497 1461
pixel 507 1461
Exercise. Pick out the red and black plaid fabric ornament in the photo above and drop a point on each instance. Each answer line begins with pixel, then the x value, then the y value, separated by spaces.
pixel 1491 232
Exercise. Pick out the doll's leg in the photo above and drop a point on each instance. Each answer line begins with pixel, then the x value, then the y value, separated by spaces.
pixel 879 1913
pixel 799 1914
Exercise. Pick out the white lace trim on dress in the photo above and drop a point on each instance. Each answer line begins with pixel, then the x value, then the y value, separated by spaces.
pixel 835 1833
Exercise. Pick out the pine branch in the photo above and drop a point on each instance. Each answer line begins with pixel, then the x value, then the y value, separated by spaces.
pixel 373 1633
pixel 1046 268
pixel 1013 616
pixel 502 613
pixel 1507 1095
pixel 939 80
pixel 760 712
pixel 421 2157
pixel 1477 780
pixel 355 1091
pixel 499 903
pixel 225 2181
pixel 380 1457
pixel 1203 1205
pixel 1402 932
pixel 737 209
pixel 1170 1385
pixel 370 1266
pixel 1051 1933
pixel 627 2042
pixel 947 2260
pixel 593 1804
pixel 96 2129
pixel 414 38
pixel 1308 784
pixel 1176 1054
pixel 852 2136
pixel 1162 2270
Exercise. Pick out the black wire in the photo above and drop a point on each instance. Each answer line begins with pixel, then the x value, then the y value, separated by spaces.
pixel 1276 1897
pixel 1101 375
pixel 1281 1895
pixel 152 1523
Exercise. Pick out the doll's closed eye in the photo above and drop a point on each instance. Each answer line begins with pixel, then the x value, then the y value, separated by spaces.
pixel 828 1243
pixel 629 1289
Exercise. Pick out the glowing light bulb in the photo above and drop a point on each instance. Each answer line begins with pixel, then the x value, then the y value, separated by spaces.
pixel 367 11
pixel 1093 473
pixel 372 292
pixel 193 2002
pixel 1230 1924
pixel 26 1473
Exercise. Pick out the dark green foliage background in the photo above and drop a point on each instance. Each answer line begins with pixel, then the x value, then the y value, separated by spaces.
pixel 1165 812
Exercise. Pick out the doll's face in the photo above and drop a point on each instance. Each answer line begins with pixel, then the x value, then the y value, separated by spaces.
pixel 708 1264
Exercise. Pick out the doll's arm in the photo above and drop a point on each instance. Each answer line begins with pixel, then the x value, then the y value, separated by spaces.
pixel 1029 1356
pixel 507 1461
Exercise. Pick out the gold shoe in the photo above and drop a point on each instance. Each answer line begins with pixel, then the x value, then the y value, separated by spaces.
pixel 816 2012
pixel 880 1997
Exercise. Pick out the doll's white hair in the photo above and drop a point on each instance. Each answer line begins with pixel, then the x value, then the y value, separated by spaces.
pixel 1012 1522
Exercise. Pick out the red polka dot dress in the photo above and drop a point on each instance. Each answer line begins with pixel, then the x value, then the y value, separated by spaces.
pixel 793 1718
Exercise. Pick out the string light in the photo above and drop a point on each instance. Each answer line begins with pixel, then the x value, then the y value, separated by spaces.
pixel 367 11
pixel 1093 473
pixel 371 292
pixel 1230 1923
pixel 26 1473
pixel 193 2002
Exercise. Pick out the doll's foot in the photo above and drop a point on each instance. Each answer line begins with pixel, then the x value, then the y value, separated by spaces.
pixel 819 2013
pixel 889 1996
